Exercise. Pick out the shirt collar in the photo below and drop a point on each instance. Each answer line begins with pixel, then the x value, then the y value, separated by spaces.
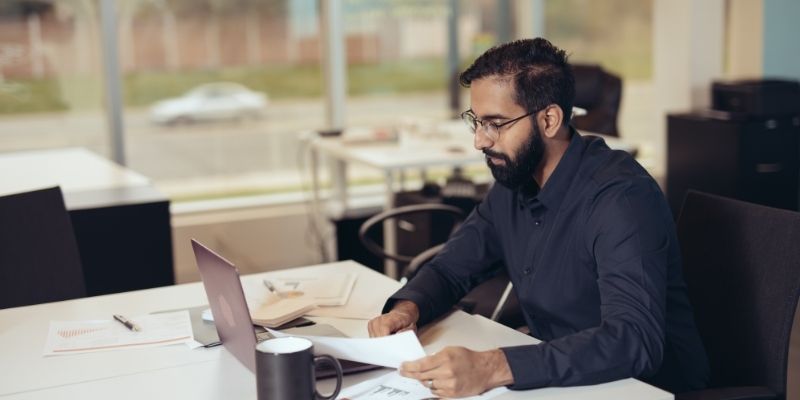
pixel 553 192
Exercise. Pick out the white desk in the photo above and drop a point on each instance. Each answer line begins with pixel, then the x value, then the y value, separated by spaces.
pixel 175 372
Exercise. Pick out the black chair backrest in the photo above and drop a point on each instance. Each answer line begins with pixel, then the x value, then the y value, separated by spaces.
pixel 39 260
pixel 742 267
pixel 455 215
pixel 600 94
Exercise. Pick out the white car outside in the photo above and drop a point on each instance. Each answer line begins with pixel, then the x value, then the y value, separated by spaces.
pixel 211 101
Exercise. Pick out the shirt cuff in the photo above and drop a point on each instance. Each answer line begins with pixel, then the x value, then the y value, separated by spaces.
pixel 526 367
pixel 423 304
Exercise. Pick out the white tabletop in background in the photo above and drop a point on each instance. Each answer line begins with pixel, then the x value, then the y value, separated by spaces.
pixel 420 152
pixel 74 169
pixel 179 373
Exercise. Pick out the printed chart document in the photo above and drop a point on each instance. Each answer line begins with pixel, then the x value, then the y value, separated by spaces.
pixel 74 337
pixel 392 386
pixel 325 290
pixel 387 351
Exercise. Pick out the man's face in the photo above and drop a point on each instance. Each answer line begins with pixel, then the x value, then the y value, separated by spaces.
pixel 514 156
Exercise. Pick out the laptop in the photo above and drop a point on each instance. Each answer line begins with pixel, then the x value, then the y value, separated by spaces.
pixel 232 318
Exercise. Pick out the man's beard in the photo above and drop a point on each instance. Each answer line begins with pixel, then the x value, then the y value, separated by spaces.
pixel 513 174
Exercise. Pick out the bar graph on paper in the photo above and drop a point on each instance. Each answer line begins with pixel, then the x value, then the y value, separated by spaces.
pixel 382 392
pixel 70 333
pixel 392 386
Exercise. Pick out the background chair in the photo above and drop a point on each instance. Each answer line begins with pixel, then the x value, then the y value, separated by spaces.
pixel 741 263
pixel 439 221
pixel 494 298
pixel 39 260
pixel 599 93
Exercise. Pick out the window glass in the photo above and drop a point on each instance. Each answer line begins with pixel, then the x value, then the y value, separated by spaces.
pixel 396 55
pixel 623 47
pixel 51 91
pixel 217 93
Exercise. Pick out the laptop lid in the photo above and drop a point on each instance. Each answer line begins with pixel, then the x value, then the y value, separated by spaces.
pixel 232 317
pixel 228 304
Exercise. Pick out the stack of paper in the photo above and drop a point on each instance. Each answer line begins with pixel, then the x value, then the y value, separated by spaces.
pixel 73 337
pixel 325 290
pixel 276 313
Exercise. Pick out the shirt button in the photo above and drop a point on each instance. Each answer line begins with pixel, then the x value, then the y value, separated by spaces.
pixel 538 222
pixel 526 271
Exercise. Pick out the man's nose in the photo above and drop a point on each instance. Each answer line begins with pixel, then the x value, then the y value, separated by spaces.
pixel 481 140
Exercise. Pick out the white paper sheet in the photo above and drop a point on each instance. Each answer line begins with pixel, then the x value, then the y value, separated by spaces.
pixel 74 337
pixel 388 351
pixel 392 386
pixel 325 290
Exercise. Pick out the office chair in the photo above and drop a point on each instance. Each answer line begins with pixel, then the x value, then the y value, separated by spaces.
pixel 39 259
pixel 599 93
pixel 741 263
pixel 405 222
pixel 483 298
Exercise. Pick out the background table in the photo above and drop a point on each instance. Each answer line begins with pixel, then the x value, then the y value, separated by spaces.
pixel 452 146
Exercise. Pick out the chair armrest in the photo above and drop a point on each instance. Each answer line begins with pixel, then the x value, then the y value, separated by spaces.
pixel 730 393
pixel 454 212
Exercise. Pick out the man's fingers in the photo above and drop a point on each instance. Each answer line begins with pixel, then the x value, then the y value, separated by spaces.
pixel 421 365
pixel 378 327
pixel 387 324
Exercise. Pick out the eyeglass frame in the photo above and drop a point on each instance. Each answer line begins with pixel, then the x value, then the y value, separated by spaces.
pixel 483 123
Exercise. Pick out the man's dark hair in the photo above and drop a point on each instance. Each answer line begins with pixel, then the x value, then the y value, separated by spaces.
pixel 540 71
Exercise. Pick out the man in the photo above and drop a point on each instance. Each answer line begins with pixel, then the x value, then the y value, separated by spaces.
pixel 584 233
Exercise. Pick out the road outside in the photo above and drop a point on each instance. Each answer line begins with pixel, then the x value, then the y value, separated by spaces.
pixel 257 152
pixel 256 155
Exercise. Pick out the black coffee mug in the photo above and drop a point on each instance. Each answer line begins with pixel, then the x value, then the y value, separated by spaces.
pixel 285 370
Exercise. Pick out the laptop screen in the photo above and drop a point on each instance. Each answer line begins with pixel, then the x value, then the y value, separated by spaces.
pixel 228 304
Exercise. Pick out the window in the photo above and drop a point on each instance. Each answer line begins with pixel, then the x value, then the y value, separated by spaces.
pixel 216 93
pixel 50 87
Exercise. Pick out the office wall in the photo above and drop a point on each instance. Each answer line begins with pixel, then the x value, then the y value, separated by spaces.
pixel 255 239
pixel 781 31
pixel 745 38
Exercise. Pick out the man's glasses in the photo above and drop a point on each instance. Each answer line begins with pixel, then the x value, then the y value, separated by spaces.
pixel 490 129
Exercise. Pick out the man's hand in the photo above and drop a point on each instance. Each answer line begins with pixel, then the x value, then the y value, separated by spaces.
pixel 402 317
pixel 460 372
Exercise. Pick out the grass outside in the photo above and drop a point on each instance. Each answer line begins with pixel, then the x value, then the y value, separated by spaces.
pixel 474 172
pixel 142 89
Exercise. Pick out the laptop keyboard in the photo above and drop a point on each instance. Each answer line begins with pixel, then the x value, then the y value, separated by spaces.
pixel 262 336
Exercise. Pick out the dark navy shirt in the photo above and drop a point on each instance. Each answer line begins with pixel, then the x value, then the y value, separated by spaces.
pixel 595 263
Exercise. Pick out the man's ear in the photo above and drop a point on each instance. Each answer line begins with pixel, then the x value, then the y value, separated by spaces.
pixel 550 120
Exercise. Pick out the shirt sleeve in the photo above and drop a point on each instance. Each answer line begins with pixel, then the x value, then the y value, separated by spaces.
pixel 463 263
pixel 629 232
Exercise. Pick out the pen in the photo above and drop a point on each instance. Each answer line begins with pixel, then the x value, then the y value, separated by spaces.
pixel 270 286
pixel 128 323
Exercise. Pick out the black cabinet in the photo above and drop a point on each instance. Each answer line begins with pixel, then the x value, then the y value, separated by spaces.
pixel 751 158
pixel 124 237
